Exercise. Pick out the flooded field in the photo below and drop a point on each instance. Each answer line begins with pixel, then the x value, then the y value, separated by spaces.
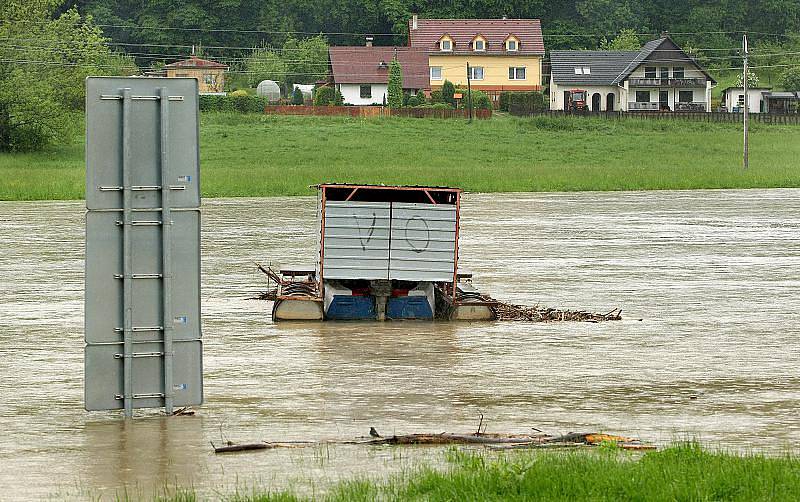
pixel 707 280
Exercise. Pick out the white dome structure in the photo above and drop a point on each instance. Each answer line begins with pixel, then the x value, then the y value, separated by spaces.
pixel 269 89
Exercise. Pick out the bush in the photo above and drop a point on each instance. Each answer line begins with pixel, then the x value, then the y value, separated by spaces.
pixel 448 91
pixel 505 100
pixel 480 100
pixel 436 97
pixel 239 92
pixel 526 103
pixel 338 99
pixel 324 96
pixel 297 96
pixel 421 97
pixel 441 106
pixel 233 103
pixel 412 101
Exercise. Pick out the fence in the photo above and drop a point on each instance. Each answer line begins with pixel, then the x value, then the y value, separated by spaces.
pixel 764 118
pixel 375 111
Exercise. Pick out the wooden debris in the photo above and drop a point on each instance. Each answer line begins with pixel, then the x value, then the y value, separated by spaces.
pixel 510 312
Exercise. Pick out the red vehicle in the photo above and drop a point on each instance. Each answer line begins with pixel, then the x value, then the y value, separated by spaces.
pixel 577 100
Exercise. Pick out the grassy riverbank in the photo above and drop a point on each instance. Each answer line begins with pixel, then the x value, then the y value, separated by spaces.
pixel 681 472
pixel 256 155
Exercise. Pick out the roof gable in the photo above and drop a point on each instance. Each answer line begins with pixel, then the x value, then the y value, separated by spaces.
pixel 196 62
pixel 528 33
pixel 661 51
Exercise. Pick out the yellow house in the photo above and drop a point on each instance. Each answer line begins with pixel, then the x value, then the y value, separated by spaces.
pixel 503 54
pixel 210 75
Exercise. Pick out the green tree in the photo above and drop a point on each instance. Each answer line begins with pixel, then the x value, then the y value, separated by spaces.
pixel 790 79
pixel 448 93
pixel 608 16
pixel 264 64
pixel 626 40
pixel 395 89
pixel 306 60
pixel 297 96
pixel 42 76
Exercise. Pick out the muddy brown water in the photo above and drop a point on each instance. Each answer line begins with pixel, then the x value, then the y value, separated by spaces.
pixel 713 275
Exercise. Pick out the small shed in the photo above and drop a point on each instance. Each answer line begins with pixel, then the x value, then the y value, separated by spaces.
pixel 210 75
pixel 733 99
pixel 782 102
pixel 269 89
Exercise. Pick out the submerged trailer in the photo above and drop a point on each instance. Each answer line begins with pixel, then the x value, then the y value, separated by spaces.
pixel 386 252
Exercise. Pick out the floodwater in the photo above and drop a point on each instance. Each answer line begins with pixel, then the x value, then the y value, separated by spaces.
pixel 707 280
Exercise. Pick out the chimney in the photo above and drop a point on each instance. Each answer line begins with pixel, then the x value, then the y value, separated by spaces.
pixel 414 20
pixel 369 41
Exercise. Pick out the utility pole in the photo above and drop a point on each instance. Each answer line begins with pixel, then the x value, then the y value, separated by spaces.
pixel 469 92
pixel 746 103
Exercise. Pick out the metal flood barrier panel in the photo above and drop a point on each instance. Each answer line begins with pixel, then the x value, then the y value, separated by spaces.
pixel 142 279
pixel 389 240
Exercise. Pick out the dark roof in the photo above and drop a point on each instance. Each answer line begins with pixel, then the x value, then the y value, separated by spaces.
pixel 614 67
pixel 463 31
pixel 661 50
pixel 604 66
pixel 370 65
pixel 196 62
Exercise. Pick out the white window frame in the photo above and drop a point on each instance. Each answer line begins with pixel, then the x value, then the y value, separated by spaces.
pixel 512 41
pixel 472 72
pixel 578 70
pixel 440 72
pixel 475 45
pixel 514 70
pixel 587 70
pixel 448 42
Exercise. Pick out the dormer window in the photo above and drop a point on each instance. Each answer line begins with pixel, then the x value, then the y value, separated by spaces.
pixel 479 44
pixel 446 45
pixel 512 45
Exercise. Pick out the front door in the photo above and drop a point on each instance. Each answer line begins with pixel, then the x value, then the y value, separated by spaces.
pixel 663 100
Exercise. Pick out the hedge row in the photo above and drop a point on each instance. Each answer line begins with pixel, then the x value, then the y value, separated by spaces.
pixel 525 103
pixel 229 103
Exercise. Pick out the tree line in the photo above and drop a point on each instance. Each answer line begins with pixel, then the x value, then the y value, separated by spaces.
pixel 572 24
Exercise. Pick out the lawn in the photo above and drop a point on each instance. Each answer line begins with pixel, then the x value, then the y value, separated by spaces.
pixel 259 155
pixel 680 472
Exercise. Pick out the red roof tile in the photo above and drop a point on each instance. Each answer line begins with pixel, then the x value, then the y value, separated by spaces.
pixel 196 62
pixel 370 65
pixel 463 31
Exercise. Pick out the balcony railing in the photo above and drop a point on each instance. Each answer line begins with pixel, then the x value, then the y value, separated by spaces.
pixel 667 82
pixel 695 106
pixel 638 105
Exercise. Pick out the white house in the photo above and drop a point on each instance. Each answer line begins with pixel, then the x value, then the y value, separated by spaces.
pixel 658 77
pixel 733 99
pixel 361 73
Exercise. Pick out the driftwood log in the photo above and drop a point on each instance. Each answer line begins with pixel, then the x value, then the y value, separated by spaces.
pixel 497 441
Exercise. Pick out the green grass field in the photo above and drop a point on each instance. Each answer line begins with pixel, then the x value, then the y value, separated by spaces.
pixel 681 472
pixel 257 155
